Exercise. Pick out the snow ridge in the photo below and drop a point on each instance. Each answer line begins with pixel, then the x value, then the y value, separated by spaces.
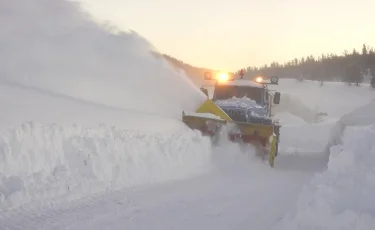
pixel 38 162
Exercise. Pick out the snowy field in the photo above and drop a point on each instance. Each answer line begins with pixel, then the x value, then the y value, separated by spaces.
pixel 91 138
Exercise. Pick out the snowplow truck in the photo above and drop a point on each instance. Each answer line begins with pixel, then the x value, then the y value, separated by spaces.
pixel 245 106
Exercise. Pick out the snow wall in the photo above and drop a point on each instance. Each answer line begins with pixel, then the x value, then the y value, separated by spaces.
pixel 38 162
pixel 341 197
pixel 74 96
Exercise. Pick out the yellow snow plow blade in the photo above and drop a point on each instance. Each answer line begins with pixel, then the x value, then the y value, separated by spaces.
pixel 207 118
pixel 210 107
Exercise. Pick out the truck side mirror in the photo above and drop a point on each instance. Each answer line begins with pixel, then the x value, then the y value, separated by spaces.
pixel 274 80
pixel 276 98
pixel 205 91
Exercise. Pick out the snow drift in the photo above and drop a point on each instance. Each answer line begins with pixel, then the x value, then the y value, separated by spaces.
pixel 55 47
pixel 38 161
pixel 342 196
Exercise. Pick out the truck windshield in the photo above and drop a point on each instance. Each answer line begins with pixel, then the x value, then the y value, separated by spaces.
pixel 223 92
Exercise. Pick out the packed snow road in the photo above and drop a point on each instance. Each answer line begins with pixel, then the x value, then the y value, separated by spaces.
pixel 229 197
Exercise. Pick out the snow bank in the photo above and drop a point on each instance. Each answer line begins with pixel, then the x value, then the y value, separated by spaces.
pixel 363 116
pixel 58 66
pixel 38 162
pixel 300 137
pixel 304 138
pixel 342 196
pixel 53 46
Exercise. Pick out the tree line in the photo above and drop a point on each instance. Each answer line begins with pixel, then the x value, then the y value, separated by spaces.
pixel 349 67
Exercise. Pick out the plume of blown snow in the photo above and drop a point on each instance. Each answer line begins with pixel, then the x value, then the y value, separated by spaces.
pixel 56 47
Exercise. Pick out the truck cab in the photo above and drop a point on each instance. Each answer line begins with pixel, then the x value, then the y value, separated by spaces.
pixel 246 100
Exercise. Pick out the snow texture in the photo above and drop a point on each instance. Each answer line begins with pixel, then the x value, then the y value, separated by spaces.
pixel 90 117
pixel 54 47
pixel 241 103
pixel 38 162
pixel 306 99
pixel 342 196
pixel 80 112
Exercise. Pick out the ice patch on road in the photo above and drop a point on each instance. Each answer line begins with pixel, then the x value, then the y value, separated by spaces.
pixel 38 162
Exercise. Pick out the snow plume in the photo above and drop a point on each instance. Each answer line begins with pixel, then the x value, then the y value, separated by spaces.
pixel 38 162
pixel 342 196
pixel 54 46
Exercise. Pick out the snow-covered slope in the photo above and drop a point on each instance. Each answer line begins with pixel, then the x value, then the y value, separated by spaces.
pixel 39 161
pixel 84 110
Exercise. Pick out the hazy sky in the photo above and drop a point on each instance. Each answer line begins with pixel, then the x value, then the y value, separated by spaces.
pixel 232 34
